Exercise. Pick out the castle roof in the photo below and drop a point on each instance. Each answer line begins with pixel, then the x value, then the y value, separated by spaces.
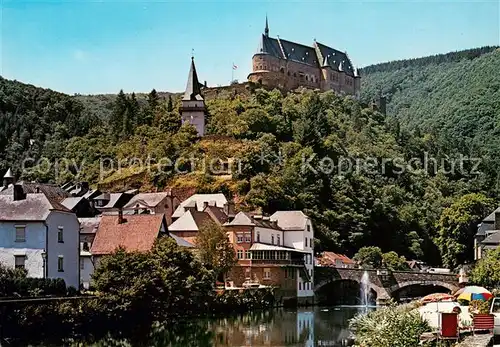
pixel 323 56
pixel 193 87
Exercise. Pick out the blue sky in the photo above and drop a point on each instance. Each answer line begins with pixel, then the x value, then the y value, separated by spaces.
pixel 83 46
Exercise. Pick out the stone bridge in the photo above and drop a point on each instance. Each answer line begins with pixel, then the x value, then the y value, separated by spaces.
pixel 384 283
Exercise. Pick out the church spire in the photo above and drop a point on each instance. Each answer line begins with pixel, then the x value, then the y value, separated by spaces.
pixel 193 90
pixel 266 30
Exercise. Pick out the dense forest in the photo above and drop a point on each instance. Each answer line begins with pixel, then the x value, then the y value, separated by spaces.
pixel 361 175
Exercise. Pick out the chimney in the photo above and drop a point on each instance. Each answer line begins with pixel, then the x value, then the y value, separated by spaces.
pixel 106 196
pixel 205 84
pixel 497 220
pixel 274 223
pixel 18 192
pixel 205 204
pixel 85 187
pixel 121 220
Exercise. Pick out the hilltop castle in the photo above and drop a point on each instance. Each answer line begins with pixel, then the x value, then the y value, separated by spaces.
pixel 288 65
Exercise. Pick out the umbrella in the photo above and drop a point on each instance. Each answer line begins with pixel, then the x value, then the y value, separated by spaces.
pixel 474 293
pixel 436 297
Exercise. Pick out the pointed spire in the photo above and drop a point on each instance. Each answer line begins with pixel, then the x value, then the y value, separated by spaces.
pixel 266 30
pixel 193 91
pixel 8 174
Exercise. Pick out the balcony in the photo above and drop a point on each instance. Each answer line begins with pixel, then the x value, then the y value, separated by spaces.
pixel 281 262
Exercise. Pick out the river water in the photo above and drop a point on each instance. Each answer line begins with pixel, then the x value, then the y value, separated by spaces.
pixel 316 326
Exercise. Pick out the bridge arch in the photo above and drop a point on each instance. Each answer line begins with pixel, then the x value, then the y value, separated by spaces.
pixel 426 287
pixel 376 292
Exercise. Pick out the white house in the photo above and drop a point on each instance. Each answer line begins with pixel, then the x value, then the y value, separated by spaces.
pixel 298 233
pixel 40 235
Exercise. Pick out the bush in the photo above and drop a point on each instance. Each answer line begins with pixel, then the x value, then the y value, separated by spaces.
pixel 392 326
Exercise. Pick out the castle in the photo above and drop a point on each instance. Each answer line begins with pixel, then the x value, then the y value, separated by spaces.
pixel 288 65
pixel 192 103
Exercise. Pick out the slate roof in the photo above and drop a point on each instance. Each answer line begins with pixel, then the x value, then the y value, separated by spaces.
pixel 494 238
pixel 137 233
pixel 245 219
pixel 181 241
pixel 35 207
pixel 218 213
pixel 190 221
pixel 290 220
pixel 89 225
pixel 9 174
pixel 213 199
pixel 148 199
pixel 52 191
pixel 116 200
pixel 193 86
pixel 305 54
pixel 491 217
pixel 71 202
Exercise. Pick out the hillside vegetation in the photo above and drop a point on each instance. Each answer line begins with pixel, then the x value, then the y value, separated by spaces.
pixel 349 167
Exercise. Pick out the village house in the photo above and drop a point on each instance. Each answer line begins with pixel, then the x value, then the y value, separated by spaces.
pixel 153 203
pixel 488 234
pixel 80 206
pixel 38 234
pixel 132 232
pixel 266 257
pixel 88 230
pixel 198 202
pixel 111 202
pixel 335 260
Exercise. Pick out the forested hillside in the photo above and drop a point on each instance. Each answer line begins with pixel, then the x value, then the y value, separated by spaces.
pixel 455 98
pixel 359 174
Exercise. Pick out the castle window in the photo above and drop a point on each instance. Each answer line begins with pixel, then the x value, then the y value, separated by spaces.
pixel 307 78
pixel 288 73
pixel 282 70
pixel 294 74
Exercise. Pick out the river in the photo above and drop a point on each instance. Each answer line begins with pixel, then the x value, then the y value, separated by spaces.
pixel 316 326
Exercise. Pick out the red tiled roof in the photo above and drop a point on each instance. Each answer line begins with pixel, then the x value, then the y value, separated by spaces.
pixel 182 193
pixel 329 258
pixel 137 233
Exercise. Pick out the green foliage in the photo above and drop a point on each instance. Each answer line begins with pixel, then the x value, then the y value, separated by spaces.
pixel 369 257
pixel 458 225
pixel 480 306
pixel 392 326
pixel 214 249
pixel 486 271
pixel 165 282
pixel 392 261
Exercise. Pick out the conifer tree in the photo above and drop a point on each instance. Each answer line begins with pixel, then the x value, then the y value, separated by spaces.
pixel 170 106
pixel 119 108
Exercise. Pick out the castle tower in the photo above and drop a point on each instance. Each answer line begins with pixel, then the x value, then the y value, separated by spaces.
pixel 192 103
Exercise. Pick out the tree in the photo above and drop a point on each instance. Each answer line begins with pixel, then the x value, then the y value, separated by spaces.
pixel 215 251
pixel 392 261
pixel 170 106
pixel 119 108
pixel 369 257
pixel 486 272
pixel 458 225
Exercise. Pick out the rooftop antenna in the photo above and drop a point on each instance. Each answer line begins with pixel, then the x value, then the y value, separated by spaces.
pixel 266 30
pixel 192 53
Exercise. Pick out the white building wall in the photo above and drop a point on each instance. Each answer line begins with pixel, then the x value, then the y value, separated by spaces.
pixel 266 235
pixel 86 269
pixel 195 118
pixel 69 248
pixel 32 248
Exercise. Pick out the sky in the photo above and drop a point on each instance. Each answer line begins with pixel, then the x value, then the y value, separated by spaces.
pixel 102 46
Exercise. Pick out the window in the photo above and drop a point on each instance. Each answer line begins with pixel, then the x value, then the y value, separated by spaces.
pixel 239 237
pixel 239 254
pixel 19 261
pixel 60 263
pixel 272 239
pixel 248 273
pixel 311 242
pixel 82 264
pixel 86 247
pixel 308 227
pixel 20 233
pixel 60 232
pixel 258 236
pixel 278 240
pixel 248 237
pixel 248 255
pixel 267 273
pixel 306 241
pixel 300 285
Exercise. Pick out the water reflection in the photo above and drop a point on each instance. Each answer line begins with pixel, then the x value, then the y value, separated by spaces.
pixel 279 327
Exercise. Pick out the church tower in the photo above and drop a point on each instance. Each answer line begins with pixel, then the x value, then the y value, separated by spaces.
pixel 193 105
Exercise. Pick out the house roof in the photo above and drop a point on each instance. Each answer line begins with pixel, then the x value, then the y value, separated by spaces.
pixel 193 86
pixel 182 241
pixel 190 221
pixel 248 219
pixel 116 200
pixel 335 59
pixel 217 213
pixel 52 191
pixel 137 233
pixel 35 207
pixel 491 216
pixel 197 200
pixel 147 199
pixel 71 202
pixel 91 194
pixel 330 258
pixel 9 174
pixel 493 238
pixel 89 225
pixel 290 220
